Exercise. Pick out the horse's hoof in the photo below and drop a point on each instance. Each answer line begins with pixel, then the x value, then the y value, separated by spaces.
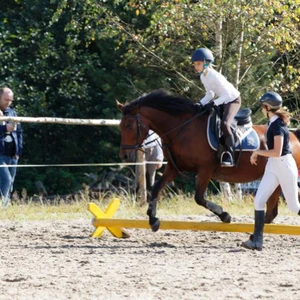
pixel 155 225
pixel 225 217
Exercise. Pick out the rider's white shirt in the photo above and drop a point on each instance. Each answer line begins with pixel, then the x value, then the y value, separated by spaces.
pixel 217 85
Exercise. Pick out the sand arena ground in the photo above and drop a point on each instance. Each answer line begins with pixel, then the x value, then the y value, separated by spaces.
pixel 58 260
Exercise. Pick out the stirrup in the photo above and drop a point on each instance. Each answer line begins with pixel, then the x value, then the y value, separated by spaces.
pixel 229 162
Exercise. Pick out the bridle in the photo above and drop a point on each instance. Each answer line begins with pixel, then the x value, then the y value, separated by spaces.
pixel 140 125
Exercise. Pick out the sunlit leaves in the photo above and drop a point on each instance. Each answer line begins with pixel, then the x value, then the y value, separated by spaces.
pixel 74 58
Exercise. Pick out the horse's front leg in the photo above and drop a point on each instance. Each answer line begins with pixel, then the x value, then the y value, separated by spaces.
pixel 213 207
pixel 167 177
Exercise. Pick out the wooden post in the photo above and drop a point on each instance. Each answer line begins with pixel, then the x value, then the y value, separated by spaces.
pixel 140 178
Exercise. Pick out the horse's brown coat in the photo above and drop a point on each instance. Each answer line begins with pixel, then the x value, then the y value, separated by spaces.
pixel 187 149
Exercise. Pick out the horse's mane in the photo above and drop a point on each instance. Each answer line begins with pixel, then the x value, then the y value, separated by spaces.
pixel 163 101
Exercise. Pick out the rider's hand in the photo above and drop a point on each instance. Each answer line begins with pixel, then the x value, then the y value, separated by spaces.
pixel 209 106
pixel 199 106
pixel 253 158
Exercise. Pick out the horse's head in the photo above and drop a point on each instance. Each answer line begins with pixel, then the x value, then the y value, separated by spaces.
pixel 133 132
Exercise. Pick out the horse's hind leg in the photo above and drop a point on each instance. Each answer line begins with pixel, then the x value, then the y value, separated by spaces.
pixel 213 207
pixel 272 206
pixel 168 176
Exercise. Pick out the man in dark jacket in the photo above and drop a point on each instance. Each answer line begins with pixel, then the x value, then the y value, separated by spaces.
pixel 11 145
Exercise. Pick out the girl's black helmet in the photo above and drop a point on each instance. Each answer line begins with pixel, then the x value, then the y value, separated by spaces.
pixel 272 99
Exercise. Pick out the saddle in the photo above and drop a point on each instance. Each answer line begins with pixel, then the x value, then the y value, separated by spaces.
pixel 246 138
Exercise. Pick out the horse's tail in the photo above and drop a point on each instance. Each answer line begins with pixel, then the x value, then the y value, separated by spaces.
pixel 297 133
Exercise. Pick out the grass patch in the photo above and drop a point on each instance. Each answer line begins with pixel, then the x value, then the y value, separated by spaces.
pixel 175 205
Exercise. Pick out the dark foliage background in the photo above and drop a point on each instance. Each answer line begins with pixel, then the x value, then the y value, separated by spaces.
pixel 73 59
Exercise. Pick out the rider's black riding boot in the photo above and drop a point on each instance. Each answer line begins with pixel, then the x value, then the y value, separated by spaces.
pixel 227 157
pixel 256 241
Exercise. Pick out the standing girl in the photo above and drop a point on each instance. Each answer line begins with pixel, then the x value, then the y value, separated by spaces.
pixel 281 168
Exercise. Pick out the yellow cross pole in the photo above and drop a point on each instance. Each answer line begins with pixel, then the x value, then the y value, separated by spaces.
pixel 203 226
pixel 108 214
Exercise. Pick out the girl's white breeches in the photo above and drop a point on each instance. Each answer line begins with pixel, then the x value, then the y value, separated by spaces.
pixel 279 171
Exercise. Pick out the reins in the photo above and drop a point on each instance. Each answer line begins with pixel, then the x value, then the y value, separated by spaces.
pixel 182 126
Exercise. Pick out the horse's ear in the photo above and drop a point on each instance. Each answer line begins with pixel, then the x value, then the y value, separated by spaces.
pixel 119 105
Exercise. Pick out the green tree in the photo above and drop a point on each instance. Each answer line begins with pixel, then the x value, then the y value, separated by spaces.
pixel 73 59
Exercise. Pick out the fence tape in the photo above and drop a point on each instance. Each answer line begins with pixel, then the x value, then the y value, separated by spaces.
pixel 85 165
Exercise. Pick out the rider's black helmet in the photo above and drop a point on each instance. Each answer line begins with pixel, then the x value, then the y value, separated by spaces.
pixel 272 99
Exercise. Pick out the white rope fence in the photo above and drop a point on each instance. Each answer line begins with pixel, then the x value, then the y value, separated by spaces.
pixel 48 120
pixel 140 165
pixel 91 122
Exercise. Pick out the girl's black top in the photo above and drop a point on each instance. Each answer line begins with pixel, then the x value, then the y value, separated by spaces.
pixel 279 128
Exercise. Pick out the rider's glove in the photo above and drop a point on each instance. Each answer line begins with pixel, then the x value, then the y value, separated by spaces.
pixel 199 106
pixel 208 106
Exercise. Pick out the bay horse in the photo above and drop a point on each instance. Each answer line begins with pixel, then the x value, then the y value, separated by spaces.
pixel 185 145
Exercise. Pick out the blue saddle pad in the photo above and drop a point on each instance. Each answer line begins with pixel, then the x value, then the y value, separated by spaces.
pixel 248 139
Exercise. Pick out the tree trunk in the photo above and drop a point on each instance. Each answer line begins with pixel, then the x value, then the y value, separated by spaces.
pixel 219 42
pixel 239 57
